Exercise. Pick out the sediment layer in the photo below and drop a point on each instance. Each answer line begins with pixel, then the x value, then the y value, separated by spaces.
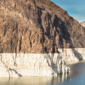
pixel 47 64
pixel 20 64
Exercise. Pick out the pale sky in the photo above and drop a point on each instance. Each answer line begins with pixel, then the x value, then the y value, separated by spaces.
pixel 75 8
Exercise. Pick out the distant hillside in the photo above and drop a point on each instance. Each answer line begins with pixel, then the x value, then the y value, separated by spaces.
pixel 83 24
pixel 37 26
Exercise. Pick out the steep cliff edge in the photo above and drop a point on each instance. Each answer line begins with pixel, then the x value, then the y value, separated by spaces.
pixel 37 26
pixel 31 33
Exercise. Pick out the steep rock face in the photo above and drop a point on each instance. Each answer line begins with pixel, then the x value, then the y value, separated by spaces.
pixel 37 26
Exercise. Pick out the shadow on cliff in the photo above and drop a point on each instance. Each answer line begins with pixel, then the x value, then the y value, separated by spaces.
pixel 9 70
pixel 1 49
pixel 76 53
pixel 56 27
pixel 60 28
pixel 66 35
pixel 51 64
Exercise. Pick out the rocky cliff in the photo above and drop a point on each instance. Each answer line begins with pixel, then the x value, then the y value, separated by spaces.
pixel 31 33
pixel 37 26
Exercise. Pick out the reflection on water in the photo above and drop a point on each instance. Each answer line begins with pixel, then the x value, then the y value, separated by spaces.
pixel 76 76
pixel 28 81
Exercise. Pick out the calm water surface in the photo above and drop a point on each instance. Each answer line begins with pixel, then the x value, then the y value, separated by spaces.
pixel 76 77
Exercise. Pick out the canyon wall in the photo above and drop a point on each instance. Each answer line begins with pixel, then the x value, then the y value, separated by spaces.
pixel 37 26
pixel 36 38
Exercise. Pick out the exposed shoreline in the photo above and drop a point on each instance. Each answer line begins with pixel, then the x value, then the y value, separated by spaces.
pixel 20 64
pixel 47 64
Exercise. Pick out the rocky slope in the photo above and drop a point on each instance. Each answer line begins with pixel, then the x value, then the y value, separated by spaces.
pixel 37 26
pixel 31 33
pixel 83 24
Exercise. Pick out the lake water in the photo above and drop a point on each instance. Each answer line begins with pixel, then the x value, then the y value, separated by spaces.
pixel 75 77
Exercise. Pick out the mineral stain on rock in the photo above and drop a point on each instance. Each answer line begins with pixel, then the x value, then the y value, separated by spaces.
pixel 36 27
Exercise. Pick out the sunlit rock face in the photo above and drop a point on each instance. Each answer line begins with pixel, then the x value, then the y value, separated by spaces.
pixel 31 33
pixel 37 26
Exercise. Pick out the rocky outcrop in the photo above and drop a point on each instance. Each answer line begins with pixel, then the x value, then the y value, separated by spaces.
pixel 30 30
pixel 37 26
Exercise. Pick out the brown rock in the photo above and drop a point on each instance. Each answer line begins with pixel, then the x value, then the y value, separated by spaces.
pixel 37 26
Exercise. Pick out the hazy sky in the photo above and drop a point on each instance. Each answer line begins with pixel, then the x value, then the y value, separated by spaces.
pixel 75 8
